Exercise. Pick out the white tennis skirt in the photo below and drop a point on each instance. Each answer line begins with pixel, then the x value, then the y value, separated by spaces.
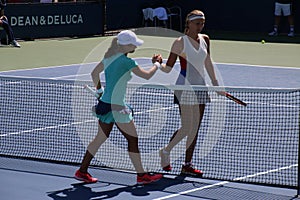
pixel 189 97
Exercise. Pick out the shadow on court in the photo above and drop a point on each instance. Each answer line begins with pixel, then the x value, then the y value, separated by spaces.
pixel 81 191
pixel 42 180
pixel 163 189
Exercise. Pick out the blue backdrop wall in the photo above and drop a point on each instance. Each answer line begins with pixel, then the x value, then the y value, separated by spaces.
pixel 38 20
pixel 229 15
pixel 35 20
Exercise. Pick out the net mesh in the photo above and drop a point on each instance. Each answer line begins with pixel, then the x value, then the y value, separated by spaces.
pixel 52 120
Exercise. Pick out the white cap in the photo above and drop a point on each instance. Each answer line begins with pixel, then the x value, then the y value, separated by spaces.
pixel 128 37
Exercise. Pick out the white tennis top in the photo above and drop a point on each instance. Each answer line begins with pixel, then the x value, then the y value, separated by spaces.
pixel 192 62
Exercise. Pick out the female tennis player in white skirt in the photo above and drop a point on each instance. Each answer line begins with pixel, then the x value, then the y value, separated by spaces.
pixel 193 50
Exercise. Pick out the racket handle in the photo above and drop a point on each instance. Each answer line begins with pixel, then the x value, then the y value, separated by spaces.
pixel 92 91
pixel 236 100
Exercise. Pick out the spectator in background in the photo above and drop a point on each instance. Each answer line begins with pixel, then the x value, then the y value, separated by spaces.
pixel 283 7
pixel 5 25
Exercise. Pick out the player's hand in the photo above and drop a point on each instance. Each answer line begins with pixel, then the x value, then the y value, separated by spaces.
pixel 157 58
pixel 216 83
pixel 3 18
pixel 221 93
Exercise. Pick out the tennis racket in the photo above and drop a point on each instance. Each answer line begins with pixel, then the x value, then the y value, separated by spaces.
pixel 92 91
pixel 236 100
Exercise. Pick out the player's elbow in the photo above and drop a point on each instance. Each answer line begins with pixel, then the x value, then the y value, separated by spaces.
pixel 147 76
pixel 93 73
pixel 167 69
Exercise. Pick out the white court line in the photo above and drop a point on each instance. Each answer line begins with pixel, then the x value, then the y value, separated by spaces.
pixel 258 66
pixel 145 64
pixel 49 67
pixel 151 93
pixel 51 78
pixel 74 75
pixel 76 123
pixel 146 93
pixel 234 64
pixel 226 182
pixel 45 128
pixel 274 105
pixel 157 109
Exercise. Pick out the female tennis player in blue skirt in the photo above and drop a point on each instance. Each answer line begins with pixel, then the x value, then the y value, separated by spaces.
pixel 194 55
pixel 112 108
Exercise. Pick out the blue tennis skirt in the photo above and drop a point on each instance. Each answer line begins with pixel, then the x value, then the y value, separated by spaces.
pixel 111 113
pixel 115 117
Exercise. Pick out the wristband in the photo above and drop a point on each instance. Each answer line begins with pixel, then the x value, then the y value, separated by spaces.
pixel 157 64
pixel 100 91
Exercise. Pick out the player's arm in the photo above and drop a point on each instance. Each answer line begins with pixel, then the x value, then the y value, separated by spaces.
pixel 145 74
pixel 3 17
pixel 209 64
pixel 96 75
pixel 167 67
pixel 176 49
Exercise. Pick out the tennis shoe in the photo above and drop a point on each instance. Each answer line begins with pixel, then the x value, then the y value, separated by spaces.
pixel 165 159
pixel 273 33
pixel 85 177
pixel 189 170
pixel 291 34
pixel 15 44
pixel 148 178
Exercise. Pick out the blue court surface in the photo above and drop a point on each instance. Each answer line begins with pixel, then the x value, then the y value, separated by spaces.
pixel 38 180
pixel 230 74
pixel 32 180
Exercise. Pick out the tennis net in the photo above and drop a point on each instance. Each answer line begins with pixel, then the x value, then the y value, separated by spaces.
pixel 52 120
